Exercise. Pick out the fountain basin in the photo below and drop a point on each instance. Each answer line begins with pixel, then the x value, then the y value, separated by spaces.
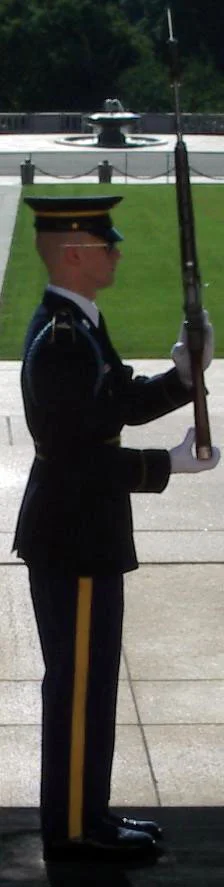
pixel 112 127
pixel 88 141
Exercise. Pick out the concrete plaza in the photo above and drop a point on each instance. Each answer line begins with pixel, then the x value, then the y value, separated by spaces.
pixel 58 159
pixel 171 700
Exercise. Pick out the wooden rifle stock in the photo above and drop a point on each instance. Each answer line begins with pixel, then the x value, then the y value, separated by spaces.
pixel 190 269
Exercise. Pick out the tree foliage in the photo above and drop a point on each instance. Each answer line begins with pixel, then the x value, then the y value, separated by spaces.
pixel 72 54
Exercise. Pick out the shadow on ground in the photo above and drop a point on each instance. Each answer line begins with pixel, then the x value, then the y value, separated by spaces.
pixel 194 855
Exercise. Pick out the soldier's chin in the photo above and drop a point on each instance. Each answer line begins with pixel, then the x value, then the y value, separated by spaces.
pixel 110 279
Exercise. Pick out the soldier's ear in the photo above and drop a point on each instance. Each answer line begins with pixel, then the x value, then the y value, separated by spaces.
pixel 72 254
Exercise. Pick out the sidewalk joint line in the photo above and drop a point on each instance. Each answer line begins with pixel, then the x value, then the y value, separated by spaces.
pixel 181 530
pixel 180 563
pixel 151 769
pixel 177 680
pixel 9 429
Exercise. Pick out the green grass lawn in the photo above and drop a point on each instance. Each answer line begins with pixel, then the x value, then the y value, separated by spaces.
pixel 144 307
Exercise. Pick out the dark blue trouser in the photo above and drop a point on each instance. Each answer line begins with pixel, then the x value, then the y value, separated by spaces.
pixel 80 625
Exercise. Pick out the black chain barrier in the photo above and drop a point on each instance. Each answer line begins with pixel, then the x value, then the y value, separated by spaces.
pixel 130 176
pixel 205 176
pixel 95 169
pixel 125 174
pixel 54 176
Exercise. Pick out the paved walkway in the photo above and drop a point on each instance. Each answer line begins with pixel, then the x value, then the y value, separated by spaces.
pixel 170 742
pixel 171 700
pixel 9 196
pixel 56 158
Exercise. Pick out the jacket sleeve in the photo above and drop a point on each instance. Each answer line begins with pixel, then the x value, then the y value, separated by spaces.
pixel 148 398
pixel 64 422
pixel 114 469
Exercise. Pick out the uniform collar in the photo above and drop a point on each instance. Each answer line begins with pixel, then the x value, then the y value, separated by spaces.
pixel 89 308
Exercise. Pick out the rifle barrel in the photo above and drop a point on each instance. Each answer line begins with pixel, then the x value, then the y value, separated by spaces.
pixel 189 263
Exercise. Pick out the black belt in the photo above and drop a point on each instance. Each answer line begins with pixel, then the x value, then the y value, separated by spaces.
pixel 112 441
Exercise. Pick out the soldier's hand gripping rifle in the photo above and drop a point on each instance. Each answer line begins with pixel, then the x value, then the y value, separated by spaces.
pixel 189 263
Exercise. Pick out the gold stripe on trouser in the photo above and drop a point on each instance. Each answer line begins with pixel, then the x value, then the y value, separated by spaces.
pixel 77 753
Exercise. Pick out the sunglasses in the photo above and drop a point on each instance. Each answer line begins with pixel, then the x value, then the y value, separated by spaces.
pixel 109 247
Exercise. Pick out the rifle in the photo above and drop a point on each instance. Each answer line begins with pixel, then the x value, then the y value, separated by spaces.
pixel 189 263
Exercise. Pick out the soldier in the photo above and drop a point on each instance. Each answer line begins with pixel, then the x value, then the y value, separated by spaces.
pixel 74 529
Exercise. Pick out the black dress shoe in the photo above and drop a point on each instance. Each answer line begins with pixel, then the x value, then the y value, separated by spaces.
pixel 107 840
pixel 142 825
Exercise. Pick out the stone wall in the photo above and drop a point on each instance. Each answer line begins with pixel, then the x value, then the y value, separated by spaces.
pixel 69 121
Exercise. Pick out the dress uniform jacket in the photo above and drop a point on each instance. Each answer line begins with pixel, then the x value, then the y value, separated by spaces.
pixel 77 397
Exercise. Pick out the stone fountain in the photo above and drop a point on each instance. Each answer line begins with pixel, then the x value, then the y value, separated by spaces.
pixel 111 129
pixel 112 124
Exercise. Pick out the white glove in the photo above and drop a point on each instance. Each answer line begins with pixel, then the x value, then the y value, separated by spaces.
pixel 183 461
pixel 180 353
